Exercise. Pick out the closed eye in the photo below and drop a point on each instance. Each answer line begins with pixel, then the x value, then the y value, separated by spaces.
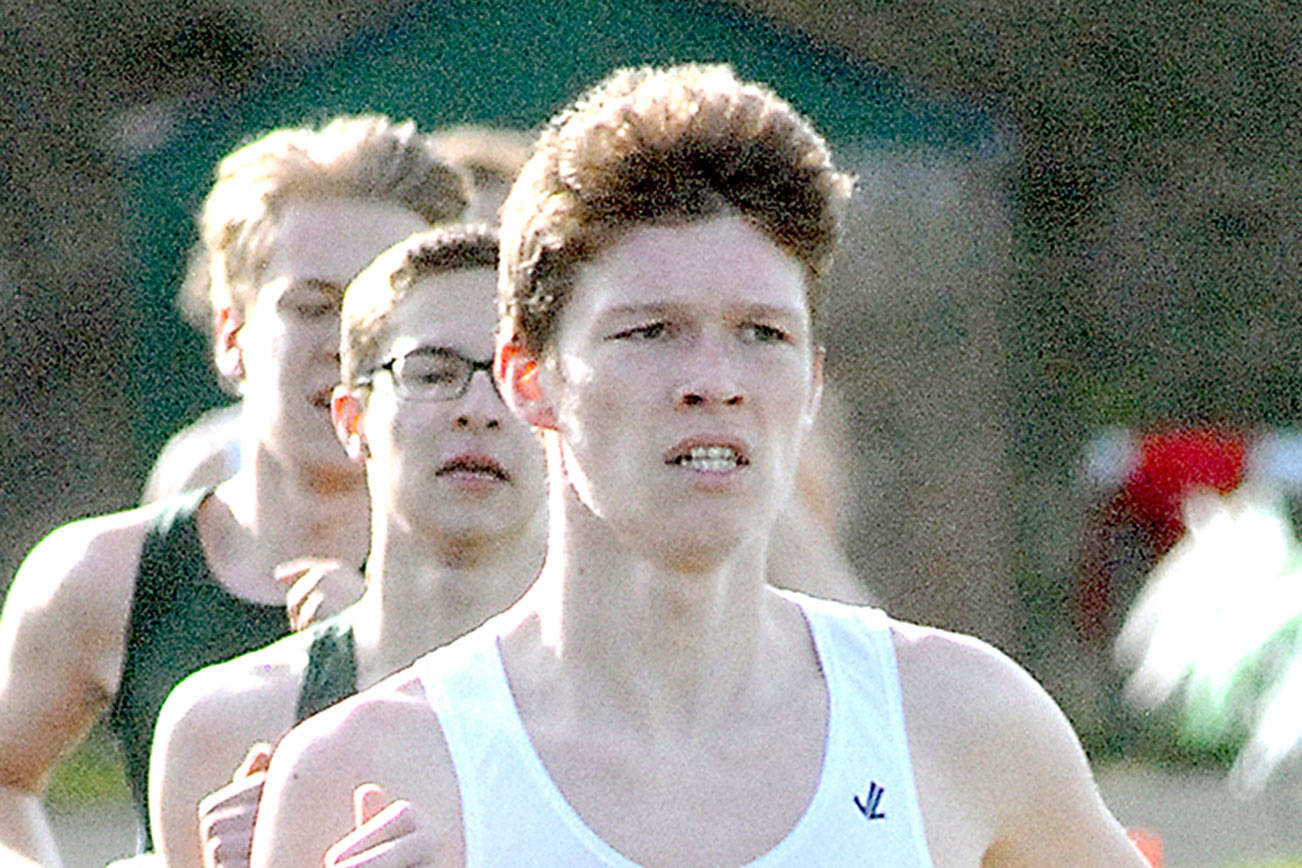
pixel 311 310
pixel 309 305
pixel 648 332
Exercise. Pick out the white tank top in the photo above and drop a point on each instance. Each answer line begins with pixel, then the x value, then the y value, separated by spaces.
pixel 864 810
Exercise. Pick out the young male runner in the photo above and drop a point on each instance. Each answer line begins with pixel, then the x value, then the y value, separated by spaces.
pixel 113 611
pixel 458 527
pixel 206 451
pixel 650 700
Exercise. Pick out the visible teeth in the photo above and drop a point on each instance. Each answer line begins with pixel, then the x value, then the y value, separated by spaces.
pixel 711 458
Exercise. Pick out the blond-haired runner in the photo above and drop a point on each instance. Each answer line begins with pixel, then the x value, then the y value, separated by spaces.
pixel 112 611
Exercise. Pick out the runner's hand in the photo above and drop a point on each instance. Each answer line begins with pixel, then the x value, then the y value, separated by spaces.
pixel 317 588
pixel 389 836
pixel 226 815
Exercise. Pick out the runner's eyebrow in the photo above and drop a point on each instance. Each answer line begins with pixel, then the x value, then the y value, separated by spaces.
pixel 771 311
pixel 651 308
pixel 748 311
pixel 312 287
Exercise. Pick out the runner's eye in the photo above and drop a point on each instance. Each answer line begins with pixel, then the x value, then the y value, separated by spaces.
pixel 764 334
pixel 648 332
pixel 432 371
pixel 314 310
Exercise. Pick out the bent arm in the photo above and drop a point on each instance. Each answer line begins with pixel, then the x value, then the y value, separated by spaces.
pixel 1060 818
pixel 387 735
pixel 306 798
pixel 25 836
pixel 60 650
pixel 1001 776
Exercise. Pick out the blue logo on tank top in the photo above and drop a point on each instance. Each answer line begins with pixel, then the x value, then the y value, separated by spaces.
pixel 870 805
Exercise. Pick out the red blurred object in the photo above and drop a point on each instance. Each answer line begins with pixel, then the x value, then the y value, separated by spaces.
pixel 1173 464
pixel 1141 521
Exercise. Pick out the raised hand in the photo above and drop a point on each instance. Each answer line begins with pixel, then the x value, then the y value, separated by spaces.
pixel 317 588
pixel 385 835
pixel 226 816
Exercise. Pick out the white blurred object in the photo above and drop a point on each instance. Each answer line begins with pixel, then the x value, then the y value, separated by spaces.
pixel 1208 623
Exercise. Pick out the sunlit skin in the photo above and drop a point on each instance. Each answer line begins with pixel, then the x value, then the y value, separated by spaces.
pixel 734 362
pixel 442 496
pixel 654 671
pixel 297 493
pixel 451 544
pixel 288 340
pixel 283 353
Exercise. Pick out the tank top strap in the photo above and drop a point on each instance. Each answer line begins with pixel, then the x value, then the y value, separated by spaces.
pixel 331 673
pixel 867 798
pixel 167 554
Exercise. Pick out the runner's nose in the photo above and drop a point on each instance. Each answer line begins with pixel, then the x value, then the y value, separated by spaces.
pixel 480 407
pixel 708 377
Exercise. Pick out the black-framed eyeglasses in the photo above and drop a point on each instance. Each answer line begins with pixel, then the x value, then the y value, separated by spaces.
pixel 431 374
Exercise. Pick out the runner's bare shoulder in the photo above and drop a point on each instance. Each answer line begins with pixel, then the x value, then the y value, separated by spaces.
pixel 215 713
pixel 387 734
pixel 79 582
pixel 986 736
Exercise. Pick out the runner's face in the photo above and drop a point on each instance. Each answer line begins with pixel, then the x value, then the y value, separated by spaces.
pixel 683 379
pixel 460 469
pixel 289 340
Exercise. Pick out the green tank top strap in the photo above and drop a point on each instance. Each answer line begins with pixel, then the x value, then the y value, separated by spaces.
pixel 331 673
pixel 182 619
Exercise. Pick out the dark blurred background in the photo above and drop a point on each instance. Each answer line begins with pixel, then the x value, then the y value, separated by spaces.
pixel 1070 216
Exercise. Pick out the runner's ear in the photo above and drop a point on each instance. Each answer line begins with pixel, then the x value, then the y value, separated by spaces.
pixel 518 374
pixel 227 354
pixel 346 414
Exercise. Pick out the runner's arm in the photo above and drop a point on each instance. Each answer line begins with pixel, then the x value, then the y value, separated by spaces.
pixel 1013 760
pixel 387 735
pixel 61 635
pixel 307 797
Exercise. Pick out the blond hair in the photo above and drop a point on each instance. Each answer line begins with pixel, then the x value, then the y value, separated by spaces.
pixel 491 155
pixel 662 146
pixel 371 297
pixel 363 157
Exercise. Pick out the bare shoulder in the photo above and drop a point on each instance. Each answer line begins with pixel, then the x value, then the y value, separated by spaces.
pixel 197 455
pixel 61 639
pixel 388 735
pixel 970 703
pixel 248 698
pixel 953 670
pixel 1000 773
pixel 88 560
pixel 207 726
pixel 263 674
pixel 77 584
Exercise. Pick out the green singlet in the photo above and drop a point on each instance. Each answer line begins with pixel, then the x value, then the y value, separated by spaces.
pixel 331 673
pixel 181 620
